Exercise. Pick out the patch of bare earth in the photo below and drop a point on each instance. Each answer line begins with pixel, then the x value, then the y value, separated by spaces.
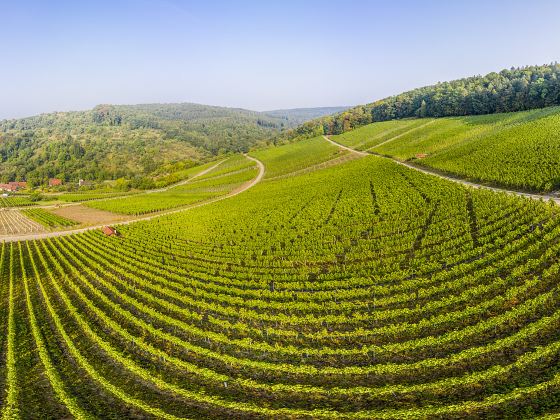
pixel 88 216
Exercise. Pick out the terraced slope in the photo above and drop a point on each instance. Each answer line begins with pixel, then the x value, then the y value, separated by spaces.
pixel 365 290
pixel 518 150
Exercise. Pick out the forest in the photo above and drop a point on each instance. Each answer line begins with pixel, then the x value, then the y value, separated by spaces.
pixel 132 141
pixel 516 89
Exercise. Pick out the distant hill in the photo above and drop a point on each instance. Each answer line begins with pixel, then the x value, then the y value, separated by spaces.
pixel 298 116
pixel 112 141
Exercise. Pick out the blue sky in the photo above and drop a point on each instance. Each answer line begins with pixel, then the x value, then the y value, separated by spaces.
pixel 72 55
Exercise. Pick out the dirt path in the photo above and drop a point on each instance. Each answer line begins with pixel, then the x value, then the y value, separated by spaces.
pixel 450 178
pixel 238 191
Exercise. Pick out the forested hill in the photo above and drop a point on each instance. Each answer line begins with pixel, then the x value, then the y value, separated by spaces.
pixel 516 89
pixel 112 141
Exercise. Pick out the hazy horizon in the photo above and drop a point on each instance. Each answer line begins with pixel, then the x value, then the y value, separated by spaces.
pixel 70 56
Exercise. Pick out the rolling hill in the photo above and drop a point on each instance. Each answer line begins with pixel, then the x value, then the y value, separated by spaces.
pixel 132 141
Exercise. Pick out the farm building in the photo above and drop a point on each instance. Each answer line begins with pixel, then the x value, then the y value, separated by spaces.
pixel 53 182
pixel 109 230
pixel 421 155
pixel 7 187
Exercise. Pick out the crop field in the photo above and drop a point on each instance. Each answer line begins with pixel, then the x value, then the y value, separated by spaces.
pixel 364 290
pixel 517 150
pixel 15 202
pixel 87 196
pixel 292 158
pixel 222 180
pixel 48 219
pixel 13 222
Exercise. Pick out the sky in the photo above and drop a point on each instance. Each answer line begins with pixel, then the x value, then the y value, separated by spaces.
pixel 60 55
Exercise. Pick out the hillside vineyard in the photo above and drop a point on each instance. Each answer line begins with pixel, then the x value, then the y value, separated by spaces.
pixel 516 150
pixel 364 290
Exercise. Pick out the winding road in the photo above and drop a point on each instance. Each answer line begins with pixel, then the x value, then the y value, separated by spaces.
pixel 243 188
pixel 450 178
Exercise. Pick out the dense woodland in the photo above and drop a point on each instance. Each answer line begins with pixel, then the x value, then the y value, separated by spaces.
pixel 132 141
pixel 516 89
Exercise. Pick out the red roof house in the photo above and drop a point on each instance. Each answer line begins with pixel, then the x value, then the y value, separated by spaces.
pixel 8 187
pixel 53 182
pixel 18 184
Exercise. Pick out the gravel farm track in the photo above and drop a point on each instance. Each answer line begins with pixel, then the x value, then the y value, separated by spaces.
pixel 245 187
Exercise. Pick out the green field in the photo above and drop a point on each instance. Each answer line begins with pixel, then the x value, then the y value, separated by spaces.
pixel 364 290
pixel 48 219
pixel 222 179
pixel 87 196
pixel 516 150
pixel 296 156
pixel 15 202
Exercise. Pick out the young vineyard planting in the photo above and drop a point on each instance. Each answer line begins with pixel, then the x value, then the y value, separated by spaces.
pixel 14 222
pixel 362 291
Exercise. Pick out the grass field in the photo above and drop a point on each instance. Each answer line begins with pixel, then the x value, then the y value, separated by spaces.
pixel 516 150
pixel 364 290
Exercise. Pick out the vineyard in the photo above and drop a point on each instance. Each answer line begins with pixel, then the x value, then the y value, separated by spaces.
pixel 223 179
pixel 363 290
pixel 87 196
pixel 515 150
pixel 292 158
pixel 15 202
pixel 48 219
pixel 14 222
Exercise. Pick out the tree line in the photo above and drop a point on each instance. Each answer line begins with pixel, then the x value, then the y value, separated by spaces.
pixel 516 89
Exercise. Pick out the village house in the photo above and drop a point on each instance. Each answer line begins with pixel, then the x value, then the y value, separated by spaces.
pixel 18 184
pixel 7 187
pixel 54 182
pixel 13 186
